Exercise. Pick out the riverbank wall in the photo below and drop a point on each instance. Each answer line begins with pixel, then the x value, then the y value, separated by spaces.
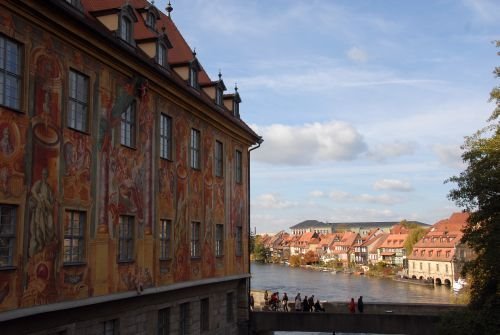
pixel 369 308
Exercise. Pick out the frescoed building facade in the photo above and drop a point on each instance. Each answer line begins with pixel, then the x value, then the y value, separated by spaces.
pixel 123 176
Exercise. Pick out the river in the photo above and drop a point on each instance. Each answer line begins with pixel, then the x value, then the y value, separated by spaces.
pixel 341 287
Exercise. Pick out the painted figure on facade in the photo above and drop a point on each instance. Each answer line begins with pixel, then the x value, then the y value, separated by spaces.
pixel 42 221
pixel 6 146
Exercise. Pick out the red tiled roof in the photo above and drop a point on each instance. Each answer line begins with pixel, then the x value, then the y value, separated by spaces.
pixel 394 241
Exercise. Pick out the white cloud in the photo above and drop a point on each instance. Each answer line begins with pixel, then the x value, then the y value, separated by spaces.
pixel 357 214
pixel 385 199
pixel 383 151
pixel 317 194
pixel 272 201
pixel 357 54
pixel 486 10
pixel 449 155
pixel 393 185
pixel 309 143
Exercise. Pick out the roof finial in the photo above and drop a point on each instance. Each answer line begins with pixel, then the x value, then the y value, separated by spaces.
pixel 152 2
pixel 194 52
pixel 220 75
pixel 169 8
pixel 236 87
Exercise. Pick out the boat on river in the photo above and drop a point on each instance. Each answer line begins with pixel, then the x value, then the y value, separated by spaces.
pixel 424 282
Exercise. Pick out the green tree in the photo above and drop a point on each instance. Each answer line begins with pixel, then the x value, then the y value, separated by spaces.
pixel 260 252
pixel 414 235
pixel 478 192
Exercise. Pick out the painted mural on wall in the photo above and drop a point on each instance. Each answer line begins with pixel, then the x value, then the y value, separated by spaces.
pixel 43 201
pixel 181 262
pixel 208 247
pixel 61 168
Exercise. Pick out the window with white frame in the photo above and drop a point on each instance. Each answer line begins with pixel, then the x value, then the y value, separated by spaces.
pixel 195 239
pixel 126 239
pixel 74 236
pixel 165 239
pixel 128 126
pixel 7 234
pixel 219 240
pixel 219 159
pixel 195 149
pixel 10 73
pixel 78 100
pixel 239 166
pixel 165 136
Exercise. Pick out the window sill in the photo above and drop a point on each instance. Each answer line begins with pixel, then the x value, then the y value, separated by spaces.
pixel 74 264
pixel 167 159
pixel 219 256
pixel 124 262
pixel 196 258
pixel 11 109
pixel 164 260
pixel 84 132
pixel 8 268
pixel 128 147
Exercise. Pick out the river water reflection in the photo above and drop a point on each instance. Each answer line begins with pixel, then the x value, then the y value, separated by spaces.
pixel 341 287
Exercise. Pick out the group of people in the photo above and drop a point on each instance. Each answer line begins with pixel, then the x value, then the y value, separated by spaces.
pixel 352 305
pixel 302 305
pixel 308 304
pixel 275 302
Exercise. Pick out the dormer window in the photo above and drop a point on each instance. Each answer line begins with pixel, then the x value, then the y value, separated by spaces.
pixel 161 54
pixel 193 76
pixel 151 20
pixel 126 28
pixel 218 96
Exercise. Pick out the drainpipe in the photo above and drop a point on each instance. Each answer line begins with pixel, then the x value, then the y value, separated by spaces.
pixel 259 142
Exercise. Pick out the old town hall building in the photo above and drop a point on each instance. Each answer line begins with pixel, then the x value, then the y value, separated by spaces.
pixel 124 190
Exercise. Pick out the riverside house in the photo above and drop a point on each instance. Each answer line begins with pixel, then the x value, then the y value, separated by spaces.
pixel 440 254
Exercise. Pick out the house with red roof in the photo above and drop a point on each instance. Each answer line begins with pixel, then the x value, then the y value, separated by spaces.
pixel 344 247
pixel 392 250
pixel 440 254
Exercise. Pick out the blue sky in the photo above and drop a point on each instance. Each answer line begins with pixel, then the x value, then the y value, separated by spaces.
pixel 363 105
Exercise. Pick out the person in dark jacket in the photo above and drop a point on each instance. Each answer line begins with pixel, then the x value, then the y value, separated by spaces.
pixel 318 307
pixel 360 304
pixel 310 301
pixel 305 304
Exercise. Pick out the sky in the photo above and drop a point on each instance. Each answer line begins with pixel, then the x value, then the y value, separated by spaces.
pixel 362 105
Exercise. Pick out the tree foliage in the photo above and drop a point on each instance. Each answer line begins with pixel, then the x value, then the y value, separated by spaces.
pixel 295 261
pixel 311 257
pixel 260 252
pixel 478 192
pixel 414 235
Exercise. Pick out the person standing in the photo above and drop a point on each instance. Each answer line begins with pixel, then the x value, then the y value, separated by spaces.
pixel 352 306
pixel 305 304
pixel 266 298
pixel 298 302
pixel 360 304
pixel 285 302
pixel 252 302
pixel 310 302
